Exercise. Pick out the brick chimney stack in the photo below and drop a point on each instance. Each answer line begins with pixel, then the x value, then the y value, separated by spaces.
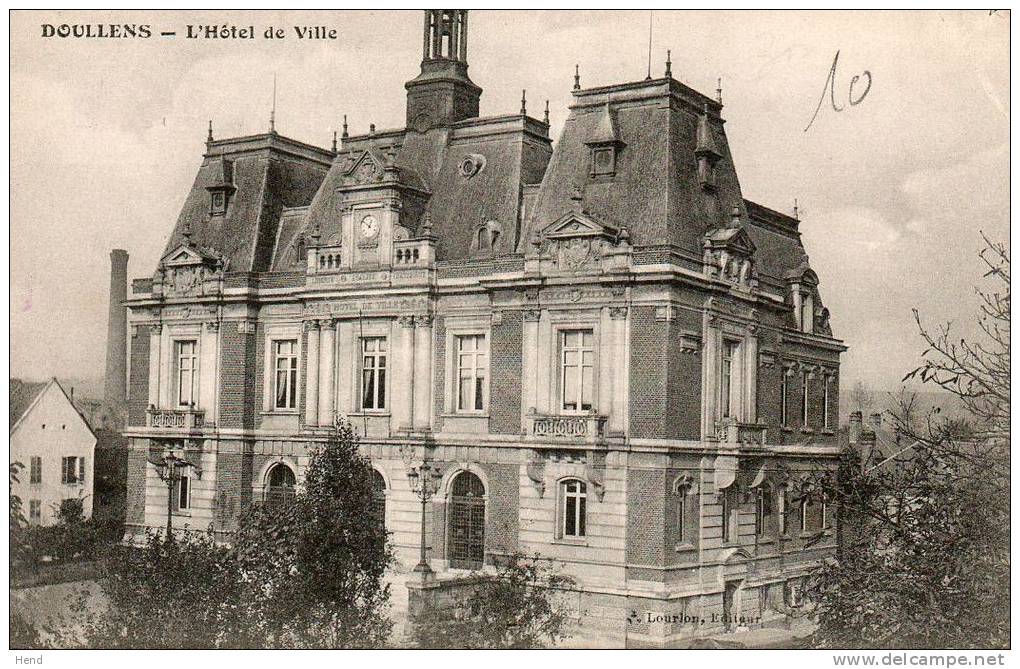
pixel 855 427
pixel 876 421
pixel 115 385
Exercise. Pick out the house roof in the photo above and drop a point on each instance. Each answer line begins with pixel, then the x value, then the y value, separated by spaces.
pixel 28 395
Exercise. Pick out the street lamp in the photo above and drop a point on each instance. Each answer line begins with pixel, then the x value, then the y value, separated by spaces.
pixel 169 468
pixel 424 482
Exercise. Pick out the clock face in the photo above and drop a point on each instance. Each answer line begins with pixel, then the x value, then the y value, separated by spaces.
pixel 369 226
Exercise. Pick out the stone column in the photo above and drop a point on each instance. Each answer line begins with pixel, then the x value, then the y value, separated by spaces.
pixel 404 376
pixel 312 374
pixel 709 375
pixel 207 370
pixel 750 376
pixel 155 363
pixel 423 372
pixel 327 370
pixel 529 363
pixel 618 323
pixel 546 397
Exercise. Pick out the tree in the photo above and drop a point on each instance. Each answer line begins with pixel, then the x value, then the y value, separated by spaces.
pixel 924 551
pixel 861 399
pixel 314 568
pixel 300 574
pixel 516 608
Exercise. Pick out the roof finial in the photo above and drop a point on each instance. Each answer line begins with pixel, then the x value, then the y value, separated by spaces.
pixel 186 232
pixel 545 119
pixel 344 135
pixel 718 91
pixel 334 141
pixel 371 128
pixel 669 64
pixel 796 209
pixel 577 77
pixel 209 137
pixel 272 112
pixel 649 75
pixel 735 216
pixel 524 103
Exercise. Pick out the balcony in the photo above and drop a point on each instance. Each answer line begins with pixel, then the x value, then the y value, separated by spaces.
pixel 745 434
pixel 413 253
pixel 324 259
pixel 175 419
pixel 585 428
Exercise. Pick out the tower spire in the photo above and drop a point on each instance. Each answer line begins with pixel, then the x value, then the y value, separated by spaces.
pixel 669 64
pixel 649 75
pixel 443 93
pixel 209 137
pixel 344 135
pixel 272 112
pixel 577 77
pixel 546 118
pixel 524 103
pixel 334 141
pixel 718 91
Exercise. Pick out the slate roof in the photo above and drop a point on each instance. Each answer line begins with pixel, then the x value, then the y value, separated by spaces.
pixel 270 173
pixel 22 394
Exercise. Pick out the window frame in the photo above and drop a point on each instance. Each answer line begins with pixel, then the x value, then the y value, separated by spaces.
pixel 182 488
pixel 561 352
pixel 35 470
pixel 380 399
pixel 481 350
pixel 804 412
pixel 784 399
pixel 598 150
pixel 195 358
pixel 729 381
pixel 726 504
pixel 826 396
pixel 782 504
pixel 72 475
pixel 292 374
pixel 805 502
pixel 580 509
pixel 762 511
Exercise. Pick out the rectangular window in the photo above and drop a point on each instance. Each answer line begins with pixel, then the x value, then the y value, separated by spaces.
pixel 373 373
pixel 182 493
pixel 763 509
pixel 286 368
pixel 34 511
pixel 726 504
pixel 782 511
pixel 681 531
pixel 804 399
pixel 186 370
pixel 825 515
pixel 574 508
pixel 577 371
pixel 726 393
pixel 472 369
pixel 825 402
pixel 35 473
pixel 72 470
pixel 784 400
pixel 804 515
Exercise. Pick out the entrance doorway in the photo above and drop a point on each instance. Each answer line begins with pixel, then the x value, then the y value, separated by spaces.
pixel 467 522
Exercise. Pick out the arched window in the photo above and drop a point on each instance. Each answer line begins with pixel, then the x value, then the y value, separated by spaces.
pixel 573 508
pixel 280 484
pixel 467 522
pixel 379 498
pixel 763 511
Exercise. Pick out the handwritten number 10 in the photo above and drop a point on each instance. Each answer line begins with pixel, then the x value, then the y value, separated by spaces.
pixel 830 88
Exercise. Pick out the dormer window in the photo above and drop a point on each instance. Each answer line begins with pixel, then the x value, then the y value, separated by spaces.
pixel 707 152
pixel 604 143
pixel 487 238
pixel 218 203
pixel 221 188
pixel 603 161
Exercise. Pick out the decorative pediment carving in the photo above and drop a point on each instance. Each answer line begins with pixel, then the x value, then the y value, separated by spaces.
pixel 577 241
pixel 363 168
pixel 185 270
pixel 729 255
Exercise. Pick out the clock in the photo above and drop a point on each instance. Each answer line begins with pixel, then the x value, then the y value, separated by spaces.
pixel 369 226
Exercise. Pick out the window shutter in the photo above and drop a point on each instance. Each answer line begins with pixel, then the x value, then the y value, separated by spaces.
pixel 81 470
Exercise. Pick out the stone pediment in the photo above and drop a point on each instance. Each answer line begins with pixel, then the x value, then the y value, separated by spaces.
pixel 186 254
pixel 729 255
pixel 189 271
pixel 736 240
pixel 576 224
pixel 364 168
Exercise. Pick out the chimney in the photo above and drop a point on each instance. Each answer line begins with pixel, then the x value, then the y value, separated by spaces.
pixel 855 427
pixel 115 386
pixel 876 421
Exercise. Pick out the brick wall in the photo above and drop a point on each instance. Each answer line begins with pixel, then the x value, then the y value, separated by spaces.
pixel 646 516
pixel 439 373
pixel 138 384
pixel 505 353
pixel 237 377
pixel 503 513
pixel 648 370
pixel 255 380
pixel 683 390
pixel 233 486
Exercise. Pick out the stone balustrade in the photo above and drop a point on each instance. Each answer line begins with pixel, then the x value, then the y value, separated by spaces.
pixel 587 427
pixel 175 419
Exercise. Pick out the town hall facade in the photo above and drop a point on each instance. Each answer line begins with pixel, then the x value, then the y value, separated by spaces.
pixel 614 358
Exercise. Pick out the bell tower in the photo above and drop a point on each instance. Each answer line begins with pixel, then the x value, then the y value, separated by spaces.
pixel 442 94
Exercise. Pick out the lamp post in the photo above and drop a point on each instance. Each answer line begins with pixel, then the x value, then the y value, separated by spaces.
pixel 169 468
pixel 424 482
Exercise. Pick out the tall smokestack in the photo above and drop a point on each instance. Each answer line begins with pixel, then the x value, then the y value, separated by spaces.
pixel 115 387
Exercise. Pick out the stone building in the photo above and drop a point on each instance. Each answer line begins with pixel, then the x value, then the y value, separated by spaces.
pixel 615 359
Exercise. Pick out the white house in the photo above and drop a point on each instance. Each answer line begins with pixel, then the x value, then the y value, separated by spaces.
pixel 56 447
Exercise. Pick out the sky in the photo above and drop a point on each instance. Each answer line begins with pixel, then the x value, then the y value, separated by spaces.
pixel 894 190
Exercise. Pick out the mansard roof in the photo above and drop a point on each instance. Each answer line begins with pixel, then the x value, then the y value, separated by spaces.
pixel 268 173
